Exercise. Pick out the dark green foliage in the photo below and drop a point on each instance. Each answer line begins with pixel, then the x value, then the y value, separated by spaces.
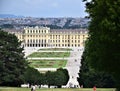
pixel 50 78
pixel 12 62
pixel 62 77
pixel 103 47
pixel 32 76
pixel 88 77
pixel 57 78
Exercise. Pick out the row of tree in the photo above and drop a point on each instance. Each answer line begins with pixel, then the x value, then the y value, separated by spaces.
pixel 102 51
pixel 14 69
pixel 56 78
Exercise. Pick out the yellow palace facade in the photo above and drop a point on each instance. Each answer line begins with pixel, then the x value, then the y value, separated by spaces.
pixel 46 37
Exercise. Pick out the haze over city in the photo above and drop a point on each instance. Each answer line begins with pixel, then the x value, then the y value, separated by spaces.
pixel 43 8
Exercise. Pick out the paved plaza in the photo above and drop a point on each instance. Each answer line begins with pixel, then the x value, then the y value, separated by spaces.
pixel 73 64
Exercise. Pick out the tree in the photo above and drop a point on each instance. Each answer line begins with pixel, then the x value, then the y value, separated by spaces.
pixel 88 77
pixel 50 78
pixel 57 78
pixel 12 61
pixel 103 47
pixel 65 75
pixel 32 76
pixel 61 77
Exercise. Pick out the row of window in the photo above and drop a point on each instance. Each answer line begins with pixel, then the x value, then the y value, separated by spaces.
pixel 58 36
pixel 53 41
pixel 36 41
pixel 36 31
pixel 65 41
pixel 36 35
pixel 65 36
pixel 55 45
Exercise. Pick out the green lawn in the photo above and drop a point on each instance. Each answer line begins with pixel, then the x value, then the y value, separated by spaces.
pixel 56 89
pixel 55 49
pixel 50 54
pixel 47 63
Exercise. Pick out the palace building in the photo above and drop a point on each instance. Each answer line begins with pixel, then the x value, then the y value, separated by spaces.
pixel 46 37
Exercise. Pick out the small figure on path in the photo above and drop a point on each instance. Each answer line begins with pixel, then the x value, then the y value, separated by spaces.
pixel 94 88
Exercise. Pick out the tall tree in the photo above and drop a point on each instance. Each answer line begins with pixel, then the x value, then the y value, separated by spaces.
pixel 61 77
pixel 32 76
pixel 57 78
pixel 103 47
pixel 50 78
pixel 12 61
pixel 89 77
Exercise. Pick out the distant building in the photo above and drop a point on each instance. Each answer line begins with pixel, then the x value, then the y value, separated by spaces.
pixel 45 37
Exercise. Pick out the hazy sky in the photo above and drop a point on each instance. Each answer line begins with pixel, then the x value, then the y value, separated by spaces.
pixel 43 8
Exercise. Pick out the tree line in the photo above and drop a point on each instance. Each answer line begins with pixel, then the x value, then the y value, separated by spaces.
pixel 55 78
pixel 102 50
pixel 15 70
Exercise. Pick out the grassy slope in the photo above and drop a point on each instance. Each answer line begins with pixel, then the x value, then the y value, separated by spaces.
pixel 42 89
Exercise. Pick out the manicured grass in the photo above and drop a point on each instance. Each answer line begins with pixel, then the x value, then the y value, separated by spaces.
pixel 50 54
pixel 55 89
pixel 55 49
pixel 47 63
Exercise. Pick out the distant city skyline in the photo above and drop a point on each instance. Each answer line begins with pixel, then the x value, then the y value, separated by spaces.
pixel 44 8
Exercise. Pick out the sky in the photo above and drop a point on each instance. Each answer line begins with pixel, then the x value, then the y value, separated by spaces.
pixel 43 8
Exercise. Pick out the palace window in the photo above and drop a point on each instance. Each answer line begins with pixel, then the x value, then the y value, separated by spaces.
pixel 72 37
pixel 28 41
pixel 59 36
